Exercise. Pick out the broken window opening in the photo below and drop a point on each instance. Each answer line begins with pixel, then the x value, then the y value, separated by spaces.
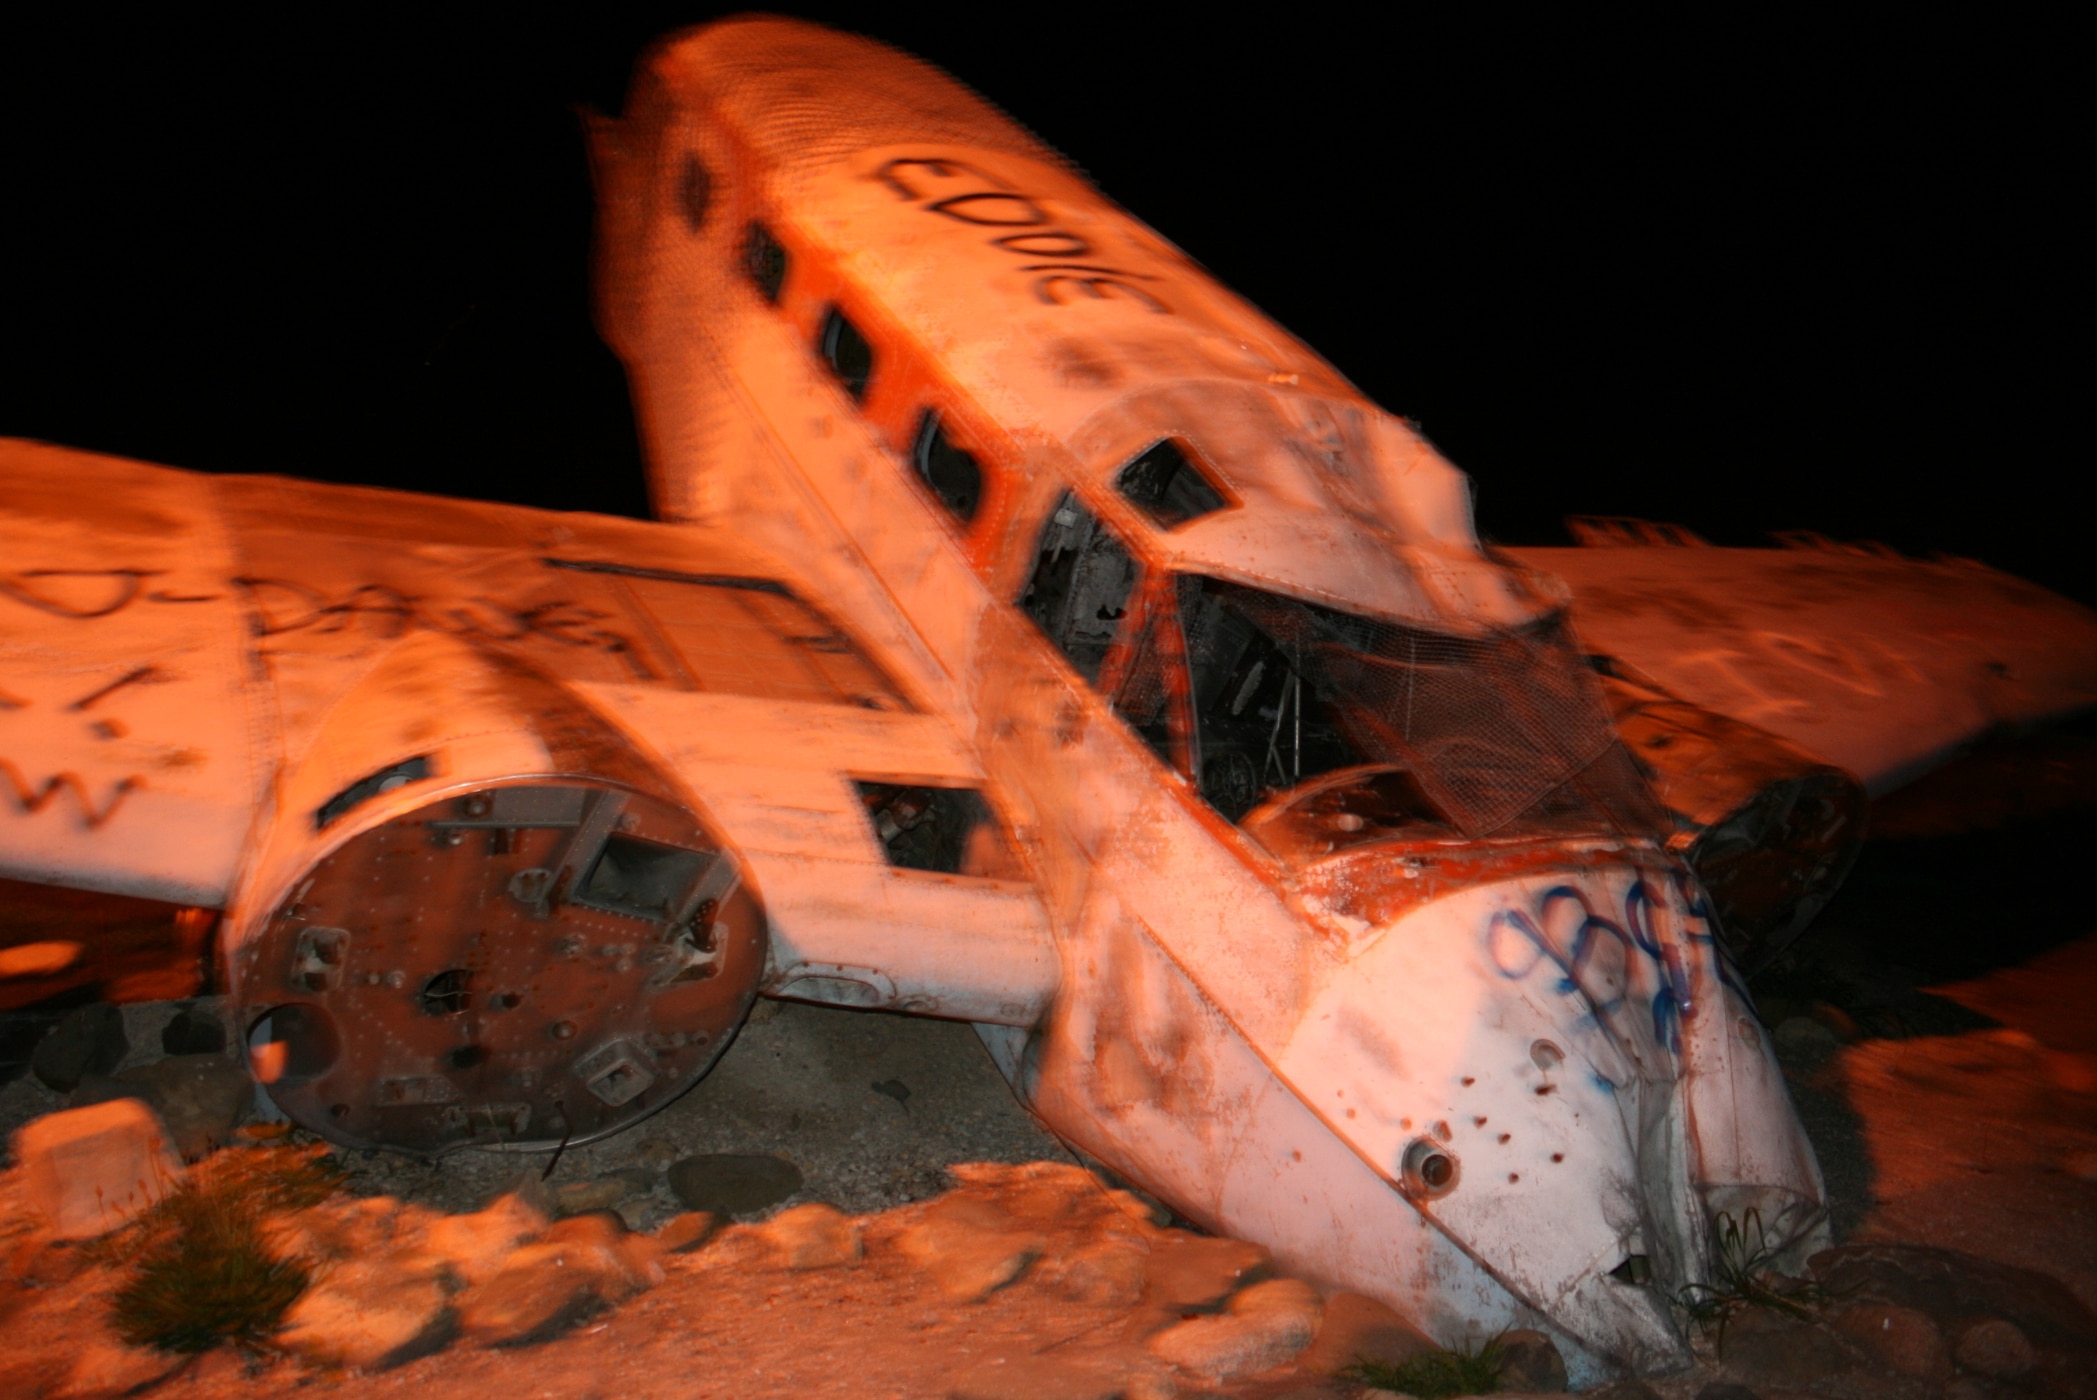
pixel 641 879
pixel 764 262
pixel 952 473
pixel 948 831
pixel 847 353
pixel 1079 590
pixel 1169 486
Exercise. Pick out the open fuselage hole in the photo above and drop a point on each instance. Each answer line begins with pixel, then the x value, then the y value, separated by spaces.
pixel 446 994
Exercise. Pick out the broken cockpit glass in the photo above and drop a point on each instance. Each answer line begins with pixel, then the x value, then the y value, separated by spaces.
pixel 1253 695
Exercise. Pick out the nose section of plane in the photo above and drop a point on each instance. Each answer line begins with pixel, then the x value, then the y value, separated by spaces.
pixel 1530 1063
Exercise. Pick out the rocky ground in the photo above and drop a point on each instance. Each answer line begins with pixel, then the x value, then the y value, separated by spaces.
pixel 1935 1029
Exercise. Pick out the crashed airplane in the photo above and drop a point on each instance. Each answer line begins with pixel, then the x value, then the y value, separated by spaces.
pixel 1035 636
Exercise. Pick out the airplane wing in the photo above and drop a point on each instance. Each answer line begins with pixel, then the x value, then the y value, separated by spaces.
pixel 1878 664
pixel 205 681
pixel 1767 692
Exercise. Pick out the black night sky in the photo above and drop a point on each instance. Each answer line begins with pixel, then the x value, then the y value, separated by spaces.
pixel 1738 276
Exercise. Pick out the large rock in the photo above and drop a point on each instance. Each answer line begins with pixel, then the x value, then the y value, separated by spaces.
pixel 200 1098
pixel 370 1316
pixel 1356 1328
pixel 87 1171
pixel 1769 1348
pixel 814 1236
pixel 475 1247
pixel 105 1368
pixel 90 1040
pixel 1529 1361
pixel 1193 1273
pixel 193 1030
pixel 1996 1348
pixel 1955 1288
pixel 1900 1339
pixel 1108 1272
pixel 527 1303
pixel 969 1247
pixel 1264 1326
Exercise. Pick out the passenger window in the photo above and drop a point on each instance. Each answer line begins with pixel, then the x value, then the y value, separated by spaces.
pixel 764 261
pixel 1167 485
pixel 952 473
pixel 847 352
pixel 948 831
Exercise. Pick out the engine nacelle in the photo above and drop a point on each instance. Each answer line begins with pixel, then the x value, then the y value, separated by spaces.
pixel 507 928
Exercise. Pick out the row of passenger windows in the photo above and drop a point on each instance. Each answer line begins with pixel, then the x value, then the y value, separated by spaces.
pixel 1162 481
pixel 1081 589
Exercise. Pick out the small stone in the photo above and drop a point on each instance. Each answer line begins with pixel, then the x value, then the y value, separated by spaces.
pixel 729 1184
pixel 1900 1339
pixel 90 1040
pixel 814 1236
pixel 88 1170
pixel 966 1260
pixel 654 1152
pixel 682 1234
pixel 1996 1348
pixel 193 1030
pixel 107 1367
pixel 369 1316
pixel 1530 1361
pixel 476 1246
pixel 1265 1326
pixel 580 1197
pixel 1359 1328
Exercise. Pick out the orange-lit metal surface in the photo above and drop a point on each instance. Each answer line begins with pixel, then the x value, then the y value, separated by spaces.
pixel 1041 638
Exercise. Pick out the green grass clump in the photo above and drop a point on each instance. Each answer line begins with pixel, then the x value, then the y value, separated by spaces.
pixel 202 1273
pixel 1431 1375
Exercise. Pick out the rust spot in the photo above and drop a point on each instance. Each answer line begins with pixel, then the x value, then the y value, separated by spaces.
pixel 1350 1113
pixel 1514 1177
pixel 1296 1156
pixel 1405 1123
pixel 1558 1156
pixel 1504 1137
pixel 1477 1122
pixel 1441 1130
pixel 1543 1089
pixel 1469 1080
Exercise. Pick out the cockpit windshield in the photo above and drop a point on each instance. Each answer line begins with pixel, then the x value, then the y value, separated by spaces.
pixel 1252 694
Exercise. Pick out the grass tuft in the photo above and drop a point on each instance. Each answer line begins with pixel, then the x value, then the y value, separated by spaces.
pixel 1432 1375
pixel 1747 1278
pixel 202 1273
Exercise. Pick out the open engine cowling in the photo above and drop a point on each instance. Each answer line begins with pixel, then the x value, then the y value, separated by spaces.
pixel 508 928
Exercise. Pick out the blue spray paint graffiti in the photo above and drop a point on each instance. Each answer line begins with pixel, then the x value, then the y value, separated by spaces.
pixel 1658 955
